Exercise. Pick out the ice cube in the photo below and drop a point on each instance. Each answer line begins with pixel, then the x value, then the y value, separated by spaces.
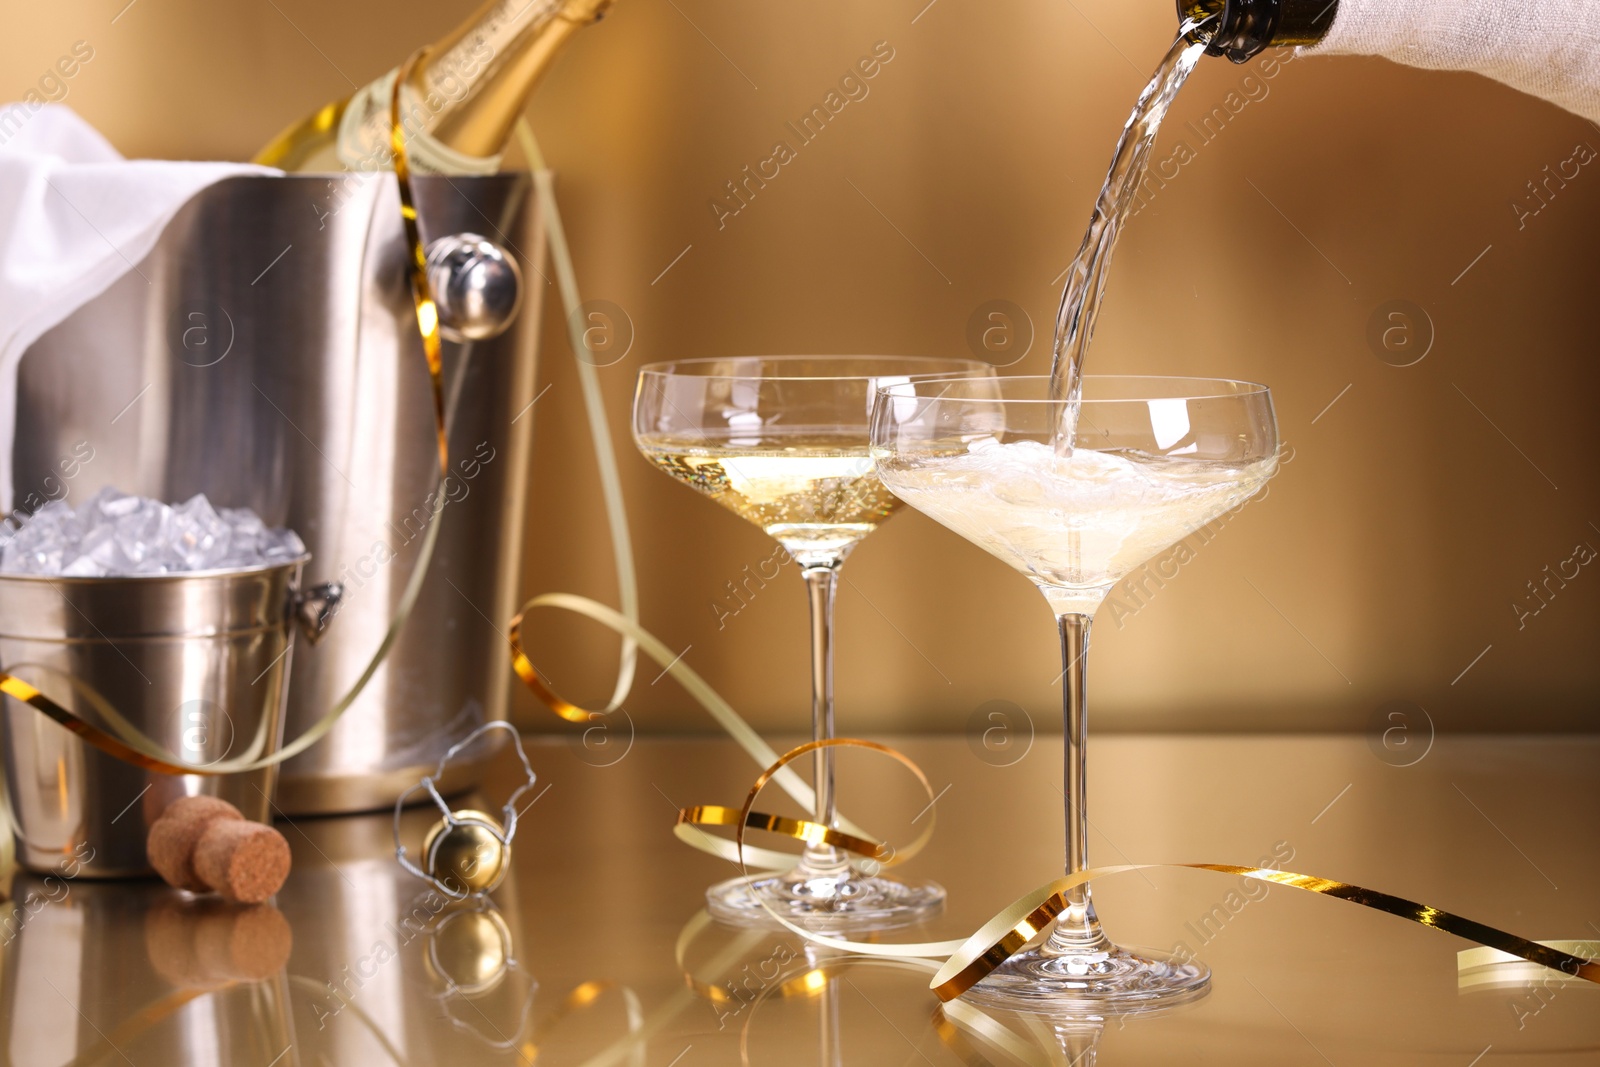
pixel 116 533
pixel 199 534
pixel 84 567
pixel 282 545
pixel 111 502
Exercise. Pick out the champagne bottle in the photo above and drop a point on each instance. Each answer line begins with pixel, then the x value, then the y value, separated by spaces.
pixel 457 107
pixel 1539 47
pixel 1241 28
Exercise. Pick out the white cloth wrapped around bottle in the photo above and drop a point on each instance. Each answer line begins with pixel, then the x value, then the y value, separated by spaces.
pixel 74 217
pixel 1550 48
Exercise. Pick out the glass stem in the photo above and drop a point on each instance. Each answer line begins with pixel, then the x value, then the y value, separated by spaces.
pixel 1077 931
pixel 1079 1039
pixel 832 1046
pixel 822 582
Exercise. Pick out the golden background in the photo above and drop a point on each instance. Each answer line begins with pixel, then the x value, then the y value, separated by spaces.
pixel 1383 566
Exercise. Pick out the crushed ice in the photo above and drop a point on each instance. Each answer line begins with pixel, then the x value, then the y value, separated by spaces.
pixel 118 534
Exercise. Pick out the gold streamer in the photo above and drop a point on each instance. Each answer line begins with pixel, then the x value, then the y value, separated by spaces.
pixel 812 833
pixel 605 455
pixel 804 831
pixel 1012 929
pixel 421 293
pixel 17 689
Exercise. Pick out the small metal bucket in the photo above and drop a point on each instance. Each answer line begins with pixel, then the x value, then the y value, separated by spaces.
pixel 197 662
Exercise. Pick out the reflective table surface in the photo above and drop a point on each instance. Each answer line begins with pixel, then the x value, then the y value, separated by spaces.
pixel 595 949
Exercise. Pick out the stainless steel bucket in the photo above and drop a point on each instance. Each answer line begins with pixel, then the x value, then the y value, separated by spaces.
pixel 265 353
pixel 198 663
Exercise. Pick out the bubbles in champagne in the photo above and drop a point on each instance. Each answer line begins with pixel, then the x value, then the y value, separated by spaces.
pixel 1074 524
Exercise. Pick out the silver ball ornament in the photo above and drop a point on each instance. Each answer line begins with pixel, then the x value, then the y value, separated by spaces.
pixel 477 287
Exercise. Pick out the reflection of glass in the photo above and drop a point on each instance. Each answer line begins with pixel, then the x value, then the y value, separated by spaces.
pixel 970 1032
pixel 1153 459
pixel 748 969
pixel 782 442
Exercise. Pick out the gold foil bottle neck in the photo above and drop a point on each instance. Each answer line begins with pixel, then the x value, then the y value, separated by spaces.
pixel 461 101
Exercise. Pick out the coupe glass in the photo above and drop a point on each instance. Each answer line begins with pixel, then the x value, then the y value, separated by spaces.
pixel 1152 460
pixel 782 441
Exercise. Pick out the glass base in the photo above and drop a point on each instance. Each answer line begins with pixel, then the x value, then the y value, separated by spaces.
pixel 1117 980
pixel 851 901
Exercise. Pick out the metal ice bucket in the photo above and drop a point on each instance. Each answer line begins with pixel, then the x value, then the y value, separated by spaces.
pixel 266 353
pixel 198 663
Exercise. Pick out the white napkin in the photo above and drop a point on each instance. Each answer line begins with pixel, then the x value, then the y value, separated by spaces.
pixel 74 217
pixel 1550 48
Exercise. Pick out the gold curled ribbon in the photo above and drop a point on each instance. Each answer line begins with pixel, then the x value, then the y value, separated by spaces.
pixel 812 833
pixel 421 292
pixel 605 454
pixel 887 856
pixel 1490 968
pixel 524 668
pixel 17 689
pixel 876 854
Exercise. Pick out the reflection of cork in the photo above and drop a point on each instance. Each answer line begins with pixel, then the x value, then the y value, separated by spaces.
pixel 203 844
pixel 209 942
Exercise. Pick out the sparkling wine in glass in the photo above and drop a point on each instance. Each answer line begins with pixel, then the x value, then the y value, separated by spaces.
pixel 1152 460
pixel 782 441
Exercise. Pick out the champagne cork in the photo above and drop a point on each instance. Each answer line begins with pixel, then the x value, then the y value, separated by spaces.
pixel 244 861
pixel 204 844
pixel 170 846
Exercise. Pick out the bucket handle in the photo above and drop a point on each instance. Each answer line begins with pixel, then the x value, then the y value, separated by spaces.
pixel 314 608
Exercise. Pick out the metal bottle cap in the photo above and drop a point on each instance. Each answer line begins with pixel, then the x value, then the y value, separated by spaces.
pixel 467 851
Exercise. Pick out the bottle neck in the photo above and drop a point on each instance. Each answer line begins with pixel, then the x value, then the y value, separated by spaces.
pixel 487 68
pixel 1240 28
